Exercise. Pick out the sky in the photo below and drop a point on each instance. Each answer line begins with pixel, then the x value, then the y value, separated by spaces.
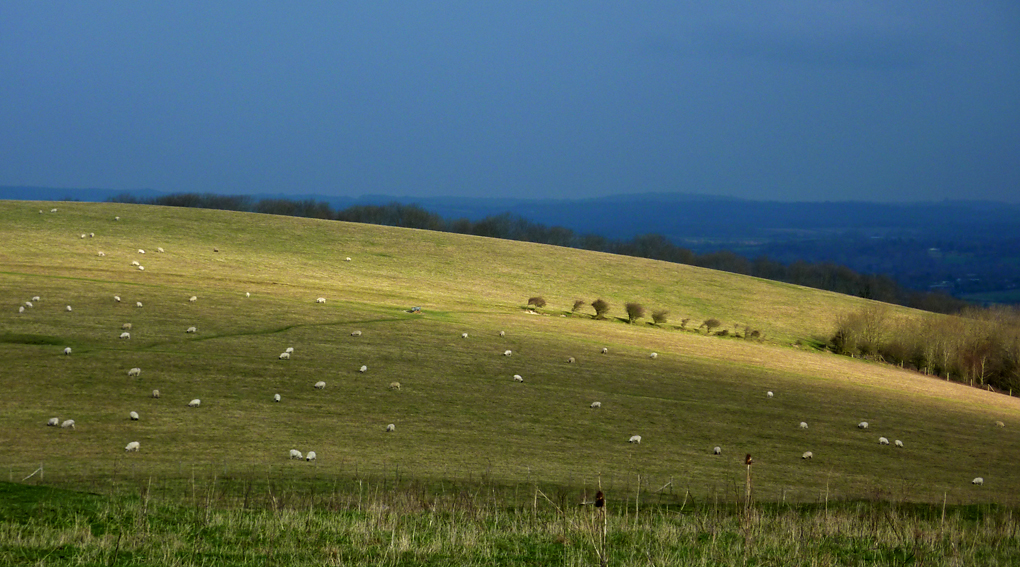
pixel 808 100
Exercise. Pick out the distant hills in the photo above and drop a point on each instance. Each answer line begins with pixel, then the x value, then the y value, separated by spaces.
pixel 970 249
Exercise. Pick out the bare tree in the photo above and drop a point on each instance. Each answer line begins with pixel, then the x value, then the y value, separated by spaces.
pixel 660 316
pixel 578 304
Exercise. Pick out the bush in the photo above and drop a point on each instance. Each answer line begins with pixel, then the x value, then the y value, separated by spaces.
pixel 601 307
pixel 710 324
pixel 578 303
pixel 537 301
pixel 660 316
pixel 635 311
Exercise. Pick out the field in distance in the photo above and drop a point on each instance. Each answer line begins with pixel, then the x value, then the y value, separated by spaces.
pixel 458 410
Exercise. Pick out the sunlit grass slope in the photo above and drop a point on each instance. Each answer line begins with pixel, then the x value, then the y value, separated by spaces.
pixel 458 411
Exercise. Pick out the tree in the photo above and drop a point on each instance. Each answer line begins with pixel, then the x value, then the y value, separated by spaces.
pixel 578 303
pixel 601 307
pixel 635 311
pixel 660 316
pixel 537 301
pixel 710 324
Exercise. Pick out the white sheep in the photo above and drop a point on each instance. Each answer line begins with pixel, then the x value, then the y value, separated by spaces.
pixel 769 394
pixel 310 456
pixel 394 385
pixel 356 333
pixel 116 298
pixel 116 218
pixel 463 335
pixel 276 397
pixel 391 428
pixel 53 210
pixel 570 360
pixel 193 299
pixel 596 405
pixel 29 304
pixel 803 425
pixel 133 415
pixel 502 333
pixel 53 422
pixel 138 304
pixel 194 403
pixel 862 425
pixel 126 327
pixel 247 294
pixel 635 439
pixel 717 451
pixel 347 259
pixel 1000 424
pixel 133 447
pixel 363 369
pixel 35 298
pixel 140 251
pixel 653 355
pixel 21 309
pixel 125 335
pixel 68 308
pixel 518 378
pixel 92 235
pixel 898 443
pixel 295 454
pixel 155 394
pixel 191 330
pixel 141 268
pixel 284 356
pixel 135 263
pixel 978 481
pixel 160 250
pixel 67 350
pixel 883 441
pixel 289 349
pixel 807 455
pixel 67 424
pixel 101 253
pixel 83 236
pixel 320 385
pixel 321 300
pixel 135 372
pixel 507 352
pixel 605 350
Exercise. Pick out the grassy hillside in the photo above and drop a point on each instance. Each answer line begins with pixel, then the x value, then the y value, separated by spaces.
pixel 458 411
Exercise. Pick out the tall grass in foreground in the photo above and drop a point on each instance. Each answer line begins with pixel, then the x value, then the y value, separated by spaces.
pixel 255 521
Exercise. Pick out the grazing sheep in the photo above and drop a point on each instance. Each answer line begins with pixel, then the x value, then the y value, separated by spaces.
pixel 53 422
pixel 35 298
pixel 83 236
pixel 155 394
pixel 191 330
pixel 194 403
pixel 347 259
pixel 570 360
pixel 160 250
pixel 596 405
pixel 978 481
pixel 1000 424
pixel 363 369
pixel 125 335
pixel 289 349
pixel 463 335
pixel 133 447
pixel 67 424
pixel 898 443
pixel 518 378
pixel 141 268
pixel 101 253
pixel 193 299
pixel 69 308
pixel 116 298
pixel 295 454
pixel 356 333
pixel 276 397
pixel 133 415
pixel 507 353
pixel 502 333
pixel 807 455
pixel 92 235
pixel 126 327
pixel 67 350
pixel 635 439
pixel 310 456
pixel 247 294
pixel 320 385
pixel 21 309
pixel 391 428
pixel 135 263
pixel 284 356
pixel 138 304
pixel 862 425
pixel 605 350
pixel 135 372
pixel 394 385
pixel 769 394
pixel 653 355
pixel 803 425
pixel 717 451
pixel 116 218
pixel 140 251
pixel 321 300
pixel 28 304
pixel 53 210
pixel 883 441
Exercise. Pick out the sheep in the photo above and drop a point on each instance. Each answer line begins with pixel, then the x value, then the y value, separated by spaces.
pixel 116 298
pixel 193 299
pixel 570 360
pixel 194 403
pixel 653 355
pixel 53 422
pixel 507 352
pixel 35 298
pixel 717 451
pixel 53 210
pixel 116 218
pixel 140 251
pixel 347 259
pixel 502 333
pixel 635 439
pixel 160 250
pixel 133 415
pixel 67 350
pixel 862 425
pixel 191 330
pixel 1000 424
pixel 289 349
pixel 135 263
pixel 68 308
pixel 883 441
pixel 463 335
pixel 284 356
pixel 83 236
pixel 321 300
pixel 320 385
pixel 126 327
pixel 518 378
pixel 67 424
pixel 135 372
pixel 21 309
pixel 356 333
pixel 803 425
pixel 363 369
pixel 391 428
pixel 769 394
pixel 276 397
pixel 101 253
pixel 605 350
pixel 978 481
pixel 125 335
pixel 133 447
pixel 310 456
pixel 898 443
pixel 807 455
pixel 138 304
pixel 394 385
pixel 596 405
pixel 155 394
pixel 295 454
pixel 142 268
pixel 92 235
pixel 247 294
pixel 29 304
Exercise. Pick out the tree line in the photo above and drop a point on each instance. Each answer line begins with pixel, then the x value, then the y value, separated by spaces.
pixel 825 276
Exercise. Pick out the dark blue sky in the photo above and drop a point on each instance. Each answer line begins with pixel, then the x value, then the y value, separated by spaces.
pixel 787 100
